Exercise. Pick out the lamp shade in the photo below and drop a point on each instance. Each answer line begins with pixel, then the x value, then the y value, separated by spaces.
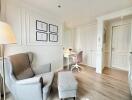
pixel 6 34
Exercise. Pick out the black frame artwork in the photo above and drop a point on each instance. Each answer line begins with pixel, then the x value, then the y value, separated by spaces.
pixel 41 33
pixel 45 29
pixel 52 39
pixel 51 28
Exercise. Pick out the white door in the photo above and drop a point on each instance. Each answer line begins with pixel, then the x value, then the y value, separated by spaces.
pixel 120 46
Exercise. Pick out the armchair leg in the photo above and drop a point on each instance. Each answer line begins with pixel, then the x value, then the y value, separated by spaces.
pixel 74 98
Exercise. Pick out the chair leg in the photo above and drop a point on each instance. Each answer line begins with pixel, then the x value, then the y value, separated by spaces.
pixel 78 69
pixel 74 98
pixel 72 67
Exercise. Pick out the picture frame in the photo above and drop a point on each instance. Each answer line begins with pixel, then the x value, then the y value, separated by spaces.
pixel 53 28
pixel 53 37
pixel 41 26
pixel 41 36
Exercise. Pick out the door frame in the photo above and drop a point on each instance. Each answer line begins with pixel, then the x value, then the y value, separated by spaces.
pixel 111 38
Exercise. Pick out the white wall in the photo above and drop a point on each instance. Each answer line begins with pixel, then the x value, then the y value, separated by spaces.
pixel 2 9
pixel 20 16
pixel 86 40
pixel 69 37
pixel 107 45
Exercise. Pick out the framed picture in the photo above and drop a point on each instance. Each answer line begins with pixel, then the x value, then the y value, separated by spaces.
pixel 53 28
pixel 41 36
pixel 53 37
pixel 41 26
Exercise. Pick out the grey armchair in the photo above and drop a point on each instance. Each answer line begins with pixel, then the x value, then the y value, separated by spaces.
pixel 130 73
pixel 24 82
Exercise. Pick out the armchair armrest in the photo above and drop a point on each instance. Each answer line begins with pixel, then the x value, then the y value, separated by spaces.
pixel 42 69
pixel 30 81
pixel 29 89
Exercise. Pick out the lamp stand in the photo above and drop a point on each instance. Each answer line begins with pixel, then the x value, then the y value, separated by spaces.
pixel 3 70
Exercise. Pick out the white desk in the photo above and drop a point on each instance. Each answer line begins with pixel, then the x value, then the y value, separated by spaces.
pixel 67 55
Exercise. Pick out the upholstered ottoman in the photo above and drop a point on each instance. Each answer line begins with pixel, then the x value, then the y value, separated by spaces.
pixel 67 85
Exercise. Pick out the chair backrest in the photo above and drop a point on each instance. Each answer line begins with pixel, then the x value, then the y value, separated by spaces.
pixel 21 66
pixel 9 77
pixel 80 57
pixel 12 62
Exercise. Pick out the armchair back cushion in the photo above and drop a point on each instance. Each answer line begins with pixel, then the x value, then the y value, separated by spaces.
pixel 21 66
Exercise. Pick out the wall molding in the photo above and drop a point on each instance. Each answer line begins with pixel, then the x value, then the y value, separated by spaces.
pixel 116 14
pixel 3 10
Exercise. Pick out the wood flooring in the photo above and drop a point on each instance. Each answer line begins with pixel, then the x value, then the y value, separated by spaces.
pixel 111 85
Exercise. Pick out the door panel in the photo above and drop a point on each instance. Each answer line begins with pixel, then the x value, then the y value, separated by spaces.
pixel 120 46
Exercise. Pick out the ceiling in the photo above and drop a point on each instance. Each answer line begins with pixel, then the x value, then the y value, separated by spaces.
pixel 78 12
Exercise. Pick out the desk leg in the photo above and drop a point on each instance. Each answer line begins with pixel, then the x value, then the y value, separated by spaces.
pixel 68 59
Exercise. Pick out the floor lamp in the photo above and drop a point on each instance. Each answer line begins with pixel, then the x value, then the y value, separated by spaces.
pixel 6 37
